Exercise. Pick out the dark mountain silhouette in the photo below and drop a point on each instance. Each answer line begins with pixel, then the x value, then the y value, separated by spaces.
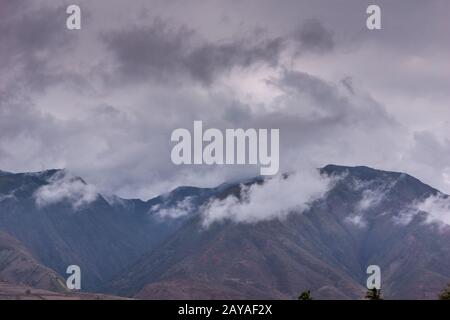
pixel 159 249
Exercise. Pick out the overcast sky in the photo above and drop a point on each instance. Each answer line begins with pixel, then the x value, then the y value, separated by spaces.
pixel 102 101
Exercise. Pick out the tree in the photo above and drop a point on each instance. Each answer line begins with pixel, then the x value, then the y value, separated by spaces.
pixel 445 295
pixel 373 294
pixel 305 295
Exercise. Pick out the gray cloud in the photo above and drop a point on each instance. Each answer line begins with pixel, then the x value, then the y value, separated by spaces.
pixel 312 36
pixel 103 101
pixel 64 187
pixel 30 38
pixel 163 53
pixel 209 60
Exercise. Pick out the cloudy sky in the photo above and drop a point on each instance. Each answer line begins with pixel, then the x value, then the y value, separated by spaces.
pixel 102 101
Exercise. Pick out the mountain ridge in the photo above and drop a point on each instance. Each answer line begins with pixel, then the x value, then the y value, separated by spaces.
pixel 156 275
pixel 129 247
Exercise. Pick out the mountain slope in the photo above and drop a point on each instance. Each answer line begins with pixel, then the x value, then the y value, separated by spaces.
pixel 62 222
pixel 325 249
pixel 160 248
pixel 18 266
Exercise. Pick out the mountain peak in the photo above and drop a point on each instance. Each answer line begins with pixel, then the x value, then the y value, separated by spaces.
pixel 45 174
pixel 362 172
pixel 48 172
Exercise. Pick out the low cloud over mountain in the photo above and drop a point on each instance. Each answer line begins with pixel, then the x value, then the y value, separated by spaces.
pixel 273 199
pixel 257 238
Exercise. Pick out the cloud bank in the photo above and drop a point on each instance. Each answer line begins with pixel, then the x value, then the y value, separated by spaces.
pixel 437 209
pixel 180 209
pixel 274 199
pixel 63 187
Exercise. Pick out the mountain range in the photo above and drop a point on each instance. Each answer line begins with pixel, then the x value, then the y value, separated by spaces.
pixel 161 248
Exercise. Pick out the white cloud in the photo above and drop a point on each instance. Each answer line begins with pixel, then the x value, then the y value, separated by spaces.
pixel 438 209
pixel 181 209
pixel 404 217
pixel 64 187
pixel 435 207
pixel 357 220
pixel 372 195
pixel 369 199
pixel 274 199
pixel 4 197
